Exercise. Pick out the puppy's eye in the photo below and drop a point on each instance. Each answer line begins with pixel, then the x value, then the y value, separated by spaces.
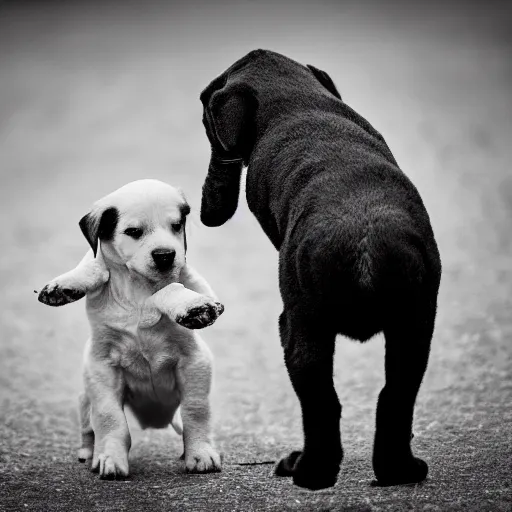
pixel 135 233
pixel 176 227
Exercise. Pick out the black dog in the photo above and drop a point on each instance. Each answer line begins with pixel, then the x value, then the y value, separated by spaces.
pixel 357 254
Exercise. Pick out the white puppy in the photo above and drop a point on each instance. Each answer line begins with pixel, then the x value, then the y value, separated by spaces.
pixel 142 300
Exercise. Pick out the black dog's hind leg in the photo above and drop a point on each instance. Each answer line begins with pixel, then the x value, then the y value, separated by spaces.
pixel 407 350
pixel 309 353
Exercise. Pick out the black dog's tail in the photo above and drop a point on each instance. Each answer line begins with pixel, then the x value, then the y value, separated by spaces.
pixel 389 256
pixel 362 270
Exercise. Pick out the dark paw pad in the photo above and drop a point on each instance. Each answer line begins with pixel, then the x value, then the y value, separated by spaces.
pixel 411 471
pixel 201 316
pixel 54 295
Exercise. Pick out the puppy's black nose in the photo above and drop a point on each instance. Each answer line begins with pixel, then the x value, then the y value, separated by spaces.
pixel 163 258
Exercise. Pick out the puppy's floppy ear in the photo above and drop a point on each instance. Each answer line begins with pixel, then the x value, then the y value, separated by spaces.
pixel 99 225
pixel 228 117
pixel 325 80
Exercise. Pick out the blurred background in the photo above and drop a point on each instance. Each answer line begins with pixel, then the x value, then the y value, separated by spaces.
pixel 96 94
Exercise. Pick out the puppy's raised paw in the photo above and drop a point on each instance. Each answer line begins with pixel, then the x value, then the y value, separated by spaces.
pixel 202 315
pixel 55 295
pixel 203 459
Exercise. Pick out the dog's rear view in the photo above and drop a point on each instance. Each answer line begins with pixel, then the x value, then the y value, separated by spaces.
pixel 357 253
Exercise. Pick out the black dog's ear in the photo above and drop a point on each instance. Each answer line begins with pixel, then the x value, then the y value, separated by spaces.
pixel 325 80
pixel 99 225
pixel 229 118
pixel 229 111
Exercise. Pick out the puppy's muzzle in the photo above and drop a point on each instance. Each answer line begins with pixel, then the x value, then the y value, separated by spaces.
pixel 163 258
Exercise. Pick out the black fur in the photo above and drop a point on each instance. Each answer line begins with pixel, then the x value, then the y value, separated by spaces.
pixel 228 118
pixel 357 255
pixel 325 80
pixel 99 226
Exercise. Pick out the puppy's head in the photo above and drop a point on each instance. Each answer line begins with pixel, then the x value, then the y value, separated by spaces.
pixel 140 226
pixel 237 106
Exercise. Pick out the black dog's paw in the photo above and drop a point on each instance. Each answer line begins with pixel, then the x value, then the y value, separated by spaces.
pixel 313 475
pixel 201 316
pixel 400 472
pixel 286 465
pixel 53 295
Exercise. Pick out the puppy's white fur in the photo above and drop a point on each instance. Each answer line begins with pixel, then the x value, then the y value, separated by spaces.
pixel 141 353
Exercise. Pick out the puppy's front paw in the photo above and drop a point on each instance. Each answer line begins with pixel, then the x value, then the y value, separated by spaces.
pixel 201 315
pixel 53 294
pixel 202 459
pixel 110 467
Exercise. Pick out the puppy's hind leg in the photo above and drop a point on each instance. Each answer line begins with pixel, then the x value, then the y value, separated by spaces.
pixel 86 432
pixel 309 353
pixel 407 351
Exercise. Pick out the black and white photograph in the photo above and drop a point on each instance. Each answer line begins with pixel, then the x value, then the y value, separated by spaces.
pixel 256 255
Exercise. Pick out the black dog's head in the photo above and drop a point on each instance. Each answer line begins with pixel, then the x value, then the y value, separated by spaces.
pixel 238 106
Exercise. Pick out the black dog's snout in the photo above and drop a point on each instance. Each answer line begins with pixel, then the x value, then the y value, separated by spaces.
pixel 163 258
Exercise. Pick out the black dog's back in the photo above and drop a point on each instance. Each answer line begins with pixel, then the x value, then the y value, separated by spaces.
pixel 354 237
